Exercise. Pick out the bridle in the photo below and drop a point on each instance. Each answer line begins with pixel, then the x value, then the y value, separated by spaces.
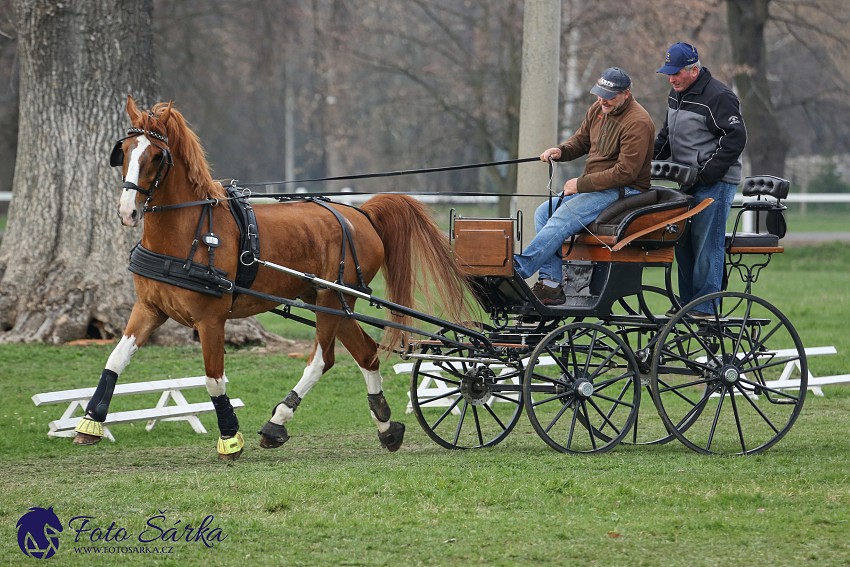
pixel 116 159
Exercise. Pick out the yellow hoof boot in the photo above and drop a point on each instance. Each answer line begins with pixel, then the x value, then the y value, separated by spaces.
pixel 229 449
pixel 88 431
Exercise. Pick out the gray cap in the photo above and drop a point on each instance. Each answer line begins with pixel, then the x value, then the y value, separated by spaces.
pixel 612 82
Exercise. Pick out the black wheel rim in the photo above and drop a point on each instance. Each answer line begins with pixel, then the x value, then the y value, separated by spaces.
pixel 466 402
pixel 715 382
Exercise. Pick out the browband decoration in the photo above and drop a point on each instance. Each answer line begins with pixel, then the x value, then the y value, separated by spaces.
pixel 137 131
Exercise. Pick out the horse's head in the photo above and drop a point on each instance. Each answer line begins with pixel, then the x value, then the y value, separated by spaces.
pixel 158 140
pixel 144 158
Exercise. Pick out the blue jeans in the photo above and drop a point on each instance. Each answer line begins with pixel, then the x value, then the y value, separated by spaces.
pixel 543 253
pixel 701 253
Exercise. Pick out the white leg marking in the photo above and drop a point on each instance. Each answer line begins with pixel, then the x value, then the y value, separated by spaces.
pixel 374 385
pixel 311 375
pixel 216 387
pixel 121 355
pixel 374 382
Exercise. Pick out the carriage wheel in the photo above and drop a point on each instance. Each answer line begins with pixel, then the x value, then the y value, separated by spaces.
pixel 714 381
pixel 650 305
pixel 463 401
pixel 582 389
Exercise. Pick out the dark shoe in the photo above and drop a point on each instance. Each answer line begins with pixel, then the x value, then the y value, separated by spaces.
pixel 549 295
pixel 700 316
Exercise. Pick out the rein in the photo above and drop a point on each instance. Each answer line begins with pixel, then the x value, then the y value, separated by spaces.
pixel 393 173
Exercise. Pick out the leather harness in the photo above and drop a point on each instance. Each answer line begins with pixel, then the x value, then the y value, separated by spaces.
pixel 209 280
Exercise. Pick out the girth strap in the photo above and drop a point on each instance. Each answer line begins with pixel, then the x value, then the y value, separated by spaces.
pixel 179 272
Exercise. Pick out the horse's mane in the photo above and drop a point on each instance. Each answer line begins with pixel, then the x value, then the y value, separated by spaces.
pixel 185 147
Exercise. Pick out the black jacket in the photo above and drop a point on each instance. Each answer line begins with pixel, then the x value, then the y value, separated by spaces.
pixel 704 128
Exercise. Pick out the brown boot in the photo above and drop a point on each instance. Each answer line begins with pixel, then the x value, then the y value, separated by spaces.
pixel 549 295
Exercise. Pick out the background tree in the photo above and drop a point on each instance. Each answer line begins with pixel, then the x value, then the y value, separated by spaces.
pixel 284 89
pixel 767 143
pixel 63 270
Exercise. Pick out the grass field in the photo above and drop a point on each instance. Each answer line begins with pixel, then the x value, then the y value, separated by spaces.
pixel 331 496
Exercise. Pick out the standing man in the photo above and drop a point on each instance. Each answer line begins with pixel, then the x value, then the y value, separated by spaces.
pixel 617 136
pixel 704 129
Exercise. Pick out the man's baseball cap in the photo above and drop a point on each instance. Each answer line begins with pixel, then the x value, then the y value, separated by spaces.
pixel 679 55
pixel 612 82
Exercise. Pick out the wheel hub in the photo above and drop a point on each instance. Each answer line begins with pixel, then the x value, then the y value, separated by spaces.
pixel 474 385
pixel 729 374
pixel 583 388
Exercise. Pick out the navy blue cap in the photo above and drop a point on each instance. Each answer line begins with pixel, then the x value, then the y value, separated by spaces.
pixel 612 82
pixel 679 55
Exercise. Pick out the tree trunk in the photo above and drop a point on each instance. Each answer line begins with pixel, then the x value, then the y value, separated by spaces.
pixel 767 144
pixel 63 259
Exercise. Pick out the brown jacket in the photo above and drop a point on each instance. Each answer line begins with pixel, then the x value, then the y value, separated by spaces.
pixel 619 147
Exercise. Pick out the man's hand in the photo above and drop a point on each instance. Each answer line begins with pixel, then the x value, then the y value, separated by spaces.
pixel 571 186
pixel 551 154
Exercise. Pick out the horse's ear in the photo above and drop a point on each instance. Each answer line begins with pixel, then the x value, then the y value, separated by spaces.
pixel 132 110
pixel 166 114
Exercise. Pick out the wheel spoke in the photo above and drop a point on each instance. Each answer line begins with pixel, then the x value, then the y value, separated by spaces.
pixel 736 357
pixel 452 383
pixel 594 380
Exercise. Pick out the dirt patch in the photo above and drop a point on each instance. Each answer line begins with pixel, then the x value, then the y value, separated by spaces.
pixel 289 347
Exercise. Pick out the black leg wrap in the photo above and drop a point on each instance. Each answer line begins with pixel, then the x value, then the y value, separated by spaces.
pixel 379 406
pixel 98 405
pixel 391 440
pixel 228 424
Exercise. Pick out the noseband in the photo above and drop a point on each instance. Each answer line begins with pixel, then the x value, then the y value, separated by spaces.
pixel 165 164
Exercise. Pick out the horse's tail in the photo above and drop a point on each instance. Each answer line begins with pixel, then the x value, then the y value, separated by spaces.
pixel 413 240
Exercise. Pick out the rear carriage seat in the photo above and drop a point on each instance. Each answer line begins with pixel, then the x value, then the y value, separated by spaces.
pixel 769 214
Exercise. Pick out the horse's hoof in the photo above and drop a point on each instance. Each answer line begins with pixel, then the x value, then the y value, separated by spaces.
pixel 89 432
pixel 230 449
pixel 86 439
pixel 272 435
pixel 391 439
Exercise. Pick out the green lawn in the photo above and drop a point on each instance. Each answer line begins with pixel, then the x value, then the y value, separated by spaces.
pixel 331 496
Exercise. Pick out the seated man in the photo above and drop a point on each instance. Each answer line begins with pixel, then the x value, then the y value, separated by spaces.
pixel 617 134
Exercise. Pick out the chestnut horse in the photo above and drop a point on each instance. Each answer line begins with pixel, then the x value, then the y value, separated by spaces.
pixel 167 180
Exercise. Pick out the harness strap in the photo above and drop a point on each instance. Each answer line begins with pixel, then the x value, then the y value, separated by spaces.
pixel 347 241
pixel 178 272
pixel 246 221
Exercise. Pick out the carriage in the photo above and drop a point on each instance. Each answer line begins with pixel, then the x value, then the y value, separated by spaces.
pixel 605 366
pixel 609 366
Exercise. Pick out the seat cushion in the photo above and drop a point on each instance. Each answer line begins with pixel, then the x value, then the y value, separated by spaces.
pixel 752 240
pixel 616 219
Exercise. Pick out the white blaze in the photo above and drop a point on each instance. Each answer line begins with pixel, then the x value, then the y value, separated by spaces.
pixel 127 204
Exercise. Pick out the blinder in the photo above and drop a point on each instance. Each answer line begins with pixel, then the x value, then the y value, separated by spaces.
pixel 116 158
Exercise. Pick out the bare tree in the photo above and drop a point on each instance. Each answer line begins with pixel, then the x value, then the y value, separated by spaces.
pixel 63 267
pixel 768 143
